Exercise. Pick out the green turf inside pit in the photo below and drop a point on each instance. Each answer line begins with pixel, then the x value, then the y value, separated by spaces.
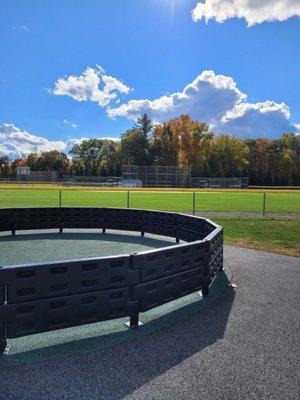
pixel 52 246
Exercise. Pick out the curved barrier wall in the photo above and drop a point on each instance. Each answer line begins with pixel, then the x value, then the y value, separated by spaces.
pixel 37 298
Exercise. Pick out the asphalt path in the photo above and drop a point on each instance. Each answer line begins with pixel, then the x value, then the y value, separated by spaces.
pixel 244 345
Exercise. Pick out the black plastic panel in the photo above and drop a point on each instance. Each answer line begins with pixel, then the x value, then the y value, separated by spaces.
pixel 216 263
pixel 2 335
pixel 2 293
pixel 199 225
pixel 166 262
pixel 81 213
pixel 6 219
pixel 188 235
pixel 42 223
pixel 6 225
pixel 216 243
pixel 6 213
pixel 123 213
pixel 159 229
pixel 36 213
pixel 81 217
pixel 39 281
pixel 50 314
pixel 159 217
pixel 122 224
pixel 155 293
pixel 81 223
pixel 123 219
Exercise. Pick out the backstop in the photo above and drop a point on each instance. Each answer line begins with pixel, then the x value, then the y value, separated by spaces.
pixel 158 176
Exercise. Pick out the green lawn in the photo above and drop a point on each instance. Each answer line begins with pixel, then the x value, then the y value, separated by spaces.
pixel 269 234
pixel 172 201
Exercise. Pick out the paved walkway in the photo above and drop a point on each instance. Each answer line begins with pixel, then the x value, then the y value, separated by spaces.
pixel 242 346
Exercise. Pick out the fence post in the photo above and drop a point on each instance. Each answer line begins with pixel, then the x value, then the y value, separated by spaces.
pixel 3 343
pixel 59 198
pixel 194 203
pixel 264 204
pixel 13 228
pixel 128 199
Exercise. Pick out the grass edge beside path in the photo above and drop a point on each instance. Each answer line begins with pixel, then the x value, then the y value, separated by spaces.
pixel 276 235
pixel 268 247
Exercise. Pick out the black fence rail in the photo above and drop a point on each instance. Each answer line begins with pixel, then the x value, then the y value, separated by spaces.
pixel 37 298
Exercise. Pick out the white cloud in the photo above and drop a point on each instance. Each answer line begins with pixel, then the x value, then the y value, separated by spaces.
pixel 114 139
pixel 111 84
pixel 71 124
pixel 24 28
pixel 268 118
pixel 216 100
pixel 92 85
pixel 209 96
pixel 253 11
pixel 15 142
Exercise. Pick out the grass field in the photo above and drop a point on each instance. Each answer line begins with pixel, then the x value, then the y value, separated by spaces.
pixel 235 201
pixel 279 234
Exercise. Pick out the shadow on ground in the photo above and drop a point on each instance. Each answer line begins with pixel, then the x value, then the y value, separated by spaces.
pixel 243 345
pixel 90 338
pixel 131 364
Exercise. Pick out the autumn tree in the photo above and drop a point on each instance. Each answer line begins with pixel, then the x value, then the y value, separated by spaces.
pixel 190 133
pixel 285 160
pixel 17 162
pixel 4 166
pixel 177 141
pixel 165 145
pixel 229 156
pixel 94 157
pixel 259 170
pixel 135 147
pixel 202 166
pixel 32 161
pixel 53 160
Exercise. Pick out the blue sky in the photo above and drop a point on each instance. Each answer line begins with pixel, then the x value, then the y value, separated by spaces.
pixel 155 49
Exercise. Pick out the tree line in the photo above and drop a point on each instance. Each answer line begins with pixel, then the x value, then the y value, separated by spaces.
pixel 182 142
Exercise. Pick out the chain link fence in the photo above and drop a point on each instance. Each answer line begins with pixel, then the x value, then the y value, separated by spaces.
pixel 198 203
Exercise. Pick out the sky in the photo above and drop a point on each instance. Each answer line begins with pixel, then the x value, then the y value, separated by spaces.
pixel 74 69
